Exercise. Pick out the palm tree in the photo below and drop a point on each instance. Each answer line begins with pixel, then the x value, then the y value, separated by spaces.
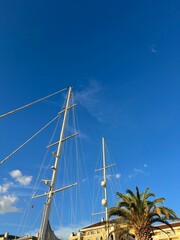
pixel 139 213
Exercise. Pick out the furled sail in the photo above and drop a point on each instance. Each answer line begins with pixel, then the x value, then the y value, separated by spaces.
pixel 50 234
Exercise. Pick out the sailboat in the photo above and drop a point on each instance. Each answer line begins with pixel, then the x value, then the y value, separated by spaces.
pixel 45 232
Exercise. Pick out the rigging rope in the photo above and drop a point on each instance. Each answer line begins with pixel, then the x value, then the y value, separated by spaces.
pixel 22 145
pixel 36 185
pixel 29 104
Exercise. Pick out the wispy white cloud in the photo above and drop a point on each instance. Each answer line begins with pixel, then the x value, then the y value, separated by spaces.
pixel 137 171
pixel 93 99
pixel 90 98
pixel 117 175
pixel 5 187
pixel 109 176
pixel 7 204
pixel 20 178
pixel 84 180
pixel 153 49
pixel 82 135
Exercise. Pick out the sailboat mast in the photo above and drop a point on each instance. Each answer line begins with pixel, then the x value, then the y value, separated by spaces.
pixel 104 185
pixel 105 182
pixel 47 206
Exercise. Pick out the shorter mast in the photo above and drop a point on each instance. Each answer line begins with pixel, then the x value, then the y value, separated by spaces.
pixel 104 182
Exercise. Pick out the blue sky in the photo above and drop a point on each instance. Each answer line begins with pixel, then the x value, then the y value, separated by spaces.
pixel 122 59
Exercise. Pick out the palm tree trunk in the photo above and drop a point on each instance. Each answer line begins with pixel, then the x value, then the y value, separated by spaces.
pixel 142 234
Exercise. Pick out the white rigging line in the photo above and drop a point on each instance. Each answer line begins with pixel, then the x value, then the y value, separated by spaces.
pixel 36 185
pixel 22 145
pixel 30 227
pixel 29 104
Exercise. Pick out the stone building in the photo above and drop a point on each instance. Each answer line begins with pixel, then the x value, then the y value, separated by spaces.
pixel 167 233
pixel 100 231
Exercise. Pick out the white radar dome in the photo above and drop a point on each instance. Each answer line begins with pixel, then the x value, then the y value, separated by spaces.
pixel 103 184
pixel 104 202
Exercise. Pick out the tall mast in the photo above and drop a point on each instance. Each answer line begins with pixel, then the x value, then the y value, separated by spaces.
pixel 51 183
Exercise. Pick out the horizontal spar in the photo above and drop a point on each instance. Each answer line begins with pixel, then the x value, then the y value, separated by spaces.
pixel 64 139
pixel 55 191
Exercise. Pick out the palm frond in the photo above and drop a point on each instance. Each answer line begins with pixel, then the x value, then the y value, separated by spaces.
pixel 139 213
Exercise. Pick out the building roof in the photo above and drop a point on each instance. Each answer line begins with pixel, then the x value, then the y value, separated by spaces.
pixel 163 226
pixel 102 223
pixel 98 224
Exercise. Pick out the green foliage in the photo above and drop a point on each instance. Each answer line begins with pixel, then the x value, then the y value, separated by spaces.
pixel 139 213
